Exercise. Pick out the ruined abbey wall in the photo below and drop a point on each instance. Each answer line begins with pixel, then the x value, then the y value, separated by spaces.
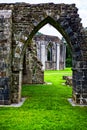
pixel 18 24
pixel 51 51
pixel 32 66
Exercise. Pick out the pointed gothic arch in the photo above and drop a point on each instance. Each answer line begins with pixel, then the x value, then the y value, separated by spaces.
pixel 57 25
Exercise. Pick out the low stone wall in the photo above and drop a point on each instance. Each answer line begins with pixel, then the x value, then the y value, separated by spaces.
pixel 68 80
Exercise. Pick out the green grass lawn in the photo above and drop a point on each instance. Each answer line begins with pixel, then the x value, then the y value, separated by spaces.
pixel 46 107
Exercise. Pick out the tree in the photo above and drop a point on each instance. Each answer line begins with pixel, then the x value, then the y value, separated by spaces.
pixel 68 54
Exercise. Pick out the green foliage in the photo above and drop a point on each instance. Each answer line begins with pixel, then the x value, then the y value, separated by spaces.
pixel 38 33
pixel 46 107
pixel 68 56
pixel 68 62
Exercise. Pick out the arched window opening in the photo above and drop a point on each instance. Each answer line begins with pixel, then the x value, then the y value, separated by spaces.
pixel 49 52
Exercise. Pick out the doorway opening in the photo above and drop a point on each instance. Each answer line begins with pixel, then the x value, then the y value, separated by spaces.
pixel 45 52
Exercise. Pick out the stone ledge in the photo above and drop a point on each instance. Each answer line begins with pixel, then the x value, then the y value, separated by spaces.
pixel 47 83
pixel 15 104
pixel 6 13
pixel 73 104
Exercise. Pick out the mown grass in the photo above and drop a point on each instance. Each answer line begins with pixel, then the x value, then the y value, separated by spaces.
pixel 46 108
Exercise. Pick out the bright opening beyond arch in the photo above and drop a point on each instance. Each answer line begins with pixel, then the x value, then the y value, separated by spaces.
pixel 50 30
pixel 51 50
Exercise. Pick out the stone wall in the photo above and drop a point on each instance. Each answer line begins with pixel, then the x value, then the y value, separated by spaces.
pixel 5 55
pixel 55 59
pixel 27 19
pixel 32 67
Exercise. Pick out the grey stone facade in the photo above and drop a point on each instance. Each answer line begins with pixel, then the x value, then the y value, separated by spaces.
pixel 5 55
pixel 32 67
pixel 51 51
pixel 19 22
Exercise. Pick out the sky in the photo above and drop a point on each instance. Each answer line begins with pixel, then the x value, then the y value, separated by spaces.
pixel 49 30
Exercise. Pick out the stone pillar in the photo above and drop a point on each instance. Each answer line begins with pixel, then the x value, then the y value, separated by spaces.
pixel 43 55
pixel 58 56
pixel 64 55
pixel 5 55
pixel 20 82
pixel 80 83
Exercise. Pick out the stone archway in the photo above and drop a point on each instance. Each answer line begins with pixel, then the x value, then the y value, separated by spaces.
pixel 27 20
